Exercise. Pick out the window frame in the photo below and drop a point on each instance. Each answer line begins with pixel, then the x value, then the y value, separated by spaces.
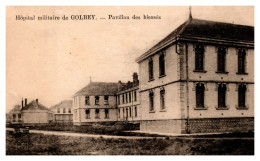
pixel 87 113
pixel 199 50
pixel 150 70
pixel 162 65
pixel 151 101
pixel 97 100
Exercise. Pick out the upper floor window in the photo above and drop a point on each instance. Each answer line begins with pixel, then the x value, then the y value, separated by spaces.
pixel 222 95
pixel 126 98
pixel 106 113
pixel 130 98
pixel 87 113
pixel 150 66
pixel 87 102
pixel 135 96
pixel 199 57
pixel 221 59
pixel 200 95
pixel 106 100
pixel 97 116
pixel 241 61
pixel 58 110
pixel 162 99
pixel 242 96
pixel 97 100
pixel 161 65
pixel 151 101
pixel 64 110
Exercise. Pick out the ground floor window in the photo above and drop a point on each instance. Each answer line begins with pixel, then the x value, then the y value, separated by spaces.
pixel 222 95
pixel 106 113
pixel 200 95
pixel 97 116
pixel 87 113
pixel 242 96
pixel 135 111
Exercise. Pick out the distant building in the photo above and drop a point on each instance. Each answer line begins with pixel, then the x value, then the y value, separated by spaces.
pixel 199 78
pixel 128 100
pixel 95 103
pixel 31 114
pixel 62 112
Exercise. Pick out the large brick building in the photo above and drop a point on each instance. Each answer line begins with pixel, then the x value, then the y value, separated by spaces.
pixel 200 78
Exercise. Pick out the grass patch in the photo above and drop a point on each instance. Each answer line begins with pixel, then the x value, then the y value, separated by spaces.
pixel 39 144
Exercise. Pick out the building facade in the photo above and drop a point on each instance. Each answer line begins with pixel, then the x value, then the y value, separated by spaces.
pixel 62 112
pixel 95 103
pixel 200 78
pixel 128 101
pixel 33 113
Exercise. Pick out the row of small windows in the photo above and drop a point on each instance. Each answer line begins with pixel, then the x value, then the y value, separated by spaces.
pixel 162 100
pixel 127 97
pixel 97 98
pixel 221 59
pixel 97 113
pixel 64 110
pixel 19 116
pixel 199 61
pixel 128 111
pixel 222 88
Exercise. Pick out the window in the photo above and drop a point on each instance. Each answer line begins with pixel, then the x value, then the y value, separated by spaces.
pixel 97 100
pixel 135 111
pixel 222 95
pixel 14 117
pixel 126 112
pixel 130 98
pixel 161 65
pixel 119 99
pixel 119 113
pixel 69 110
pixel 200 95
pixel 151 100
pixel 221 59
pixel 58 110
pixel 199 58
pixel 150 66
pixel 162 99
pixel 87 113
pixel 130 112
pixel 126 98
pixel 106 113
pixel 97 116
pixel 19 117
pixel 123 98
pixel 241 61
pixel 106 100
pixel 64 110
pixel 135 96
pixel 123 112
pixel 87 100
pixel 242 96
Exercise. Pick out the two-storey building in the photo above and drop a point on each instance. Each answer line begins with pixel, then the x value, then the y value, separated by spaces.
pixel 62 112
pixel 200 78
pixel 128 100
pixel 95 103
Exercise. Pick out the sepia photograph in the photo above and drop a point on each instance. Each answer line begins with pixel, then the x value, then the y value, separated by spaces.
pixel 130 80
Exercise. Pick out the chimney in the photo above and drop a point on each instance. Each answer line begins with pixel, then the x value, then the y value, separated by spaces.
pixel 119 85
pixel 25 101
pixel 22 103
pixel 36 101
pixel 135 79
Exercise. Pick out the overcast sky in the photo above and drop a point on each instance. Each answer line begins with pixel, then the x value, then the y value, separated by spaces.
pixel 51 60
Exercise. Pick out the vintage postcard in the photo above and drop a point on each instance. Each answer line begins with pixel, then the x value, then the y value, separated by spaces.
pixel 130 80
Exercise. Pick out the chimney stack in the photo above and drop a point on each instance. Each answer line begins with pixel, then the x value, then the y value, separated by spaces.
pixel 25 101
pixel 37 101
pixel 22 103
pixel 135 79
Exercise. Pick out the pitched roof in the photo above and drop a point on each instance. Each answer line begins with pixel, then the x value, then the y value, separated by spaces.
pixel 63 104
pixel 33 105
pixel 16 108
pixel 99 89
pixel 206 30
